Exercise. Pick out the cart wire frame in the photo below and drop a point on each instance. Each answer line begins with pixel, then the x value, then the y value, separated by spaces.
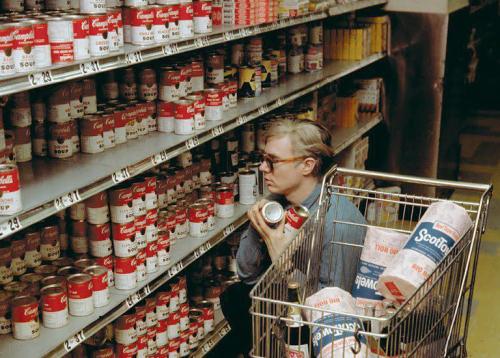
pixel 432 322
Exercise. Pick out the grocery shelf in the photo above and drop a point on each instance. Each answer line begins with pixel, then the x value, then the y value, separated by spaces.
pixel 57 342
pixel 221 329
pixel 50 185
pixel 131 54
pixel 427 6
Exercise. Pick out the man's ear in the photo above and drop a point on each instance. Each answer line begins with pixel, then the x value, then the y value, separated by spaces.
pixel 308 165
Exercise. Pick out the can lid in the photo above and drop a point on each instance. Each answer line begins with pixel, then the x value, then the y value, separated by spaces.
pixel 50 290
pixel 79 278
pixel 272 212
pixel 31 277
pixel 23 300
pixel 95 270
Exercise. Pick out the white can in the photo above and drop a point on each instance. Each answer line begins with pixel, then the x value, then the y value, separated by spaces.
pixel 202 16
pixel 54 306
pixel 161 24
pixel 93 6
pixel 10 201
pixel 23 42
pixel 25 324
pixel 165 116
pixel 141 25
pixel 224 202
pixel 6 45
pixel 141 272
pixel 100 290
pixel 125 273
pixel 186 19
pixel 173 24
pixel 98 35
pixel 60 31
pixel 80 300
pixel 121 205
pixel 81 45
pixel 198 217
pixel 123 239
pixel 213 104
pixel 41 43
pixel 247 187
pixel 184 117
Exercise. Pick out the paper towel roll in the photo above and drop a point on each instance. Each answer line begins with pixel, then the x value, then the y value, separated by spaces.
pixel 440 228
pixel 380 248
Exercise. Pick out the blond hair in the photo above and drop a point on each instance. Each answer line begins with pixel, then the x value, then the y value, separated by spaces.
pixel 310 140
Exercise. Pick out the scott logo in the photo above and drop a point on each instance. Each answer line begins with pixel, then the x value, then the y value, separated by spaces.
pixel 438 242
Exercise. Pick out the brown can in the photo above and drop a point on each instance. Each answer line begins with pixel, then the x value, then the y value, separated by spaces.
pixel 18 250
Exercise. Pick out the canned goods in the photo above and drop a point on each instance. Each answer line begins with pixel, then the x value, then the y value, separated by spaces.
pixel 60 143
pixel 22 50
pixel 6 275
pixel 123 351
pixel 80 295
pixel 83 263
pixel 124 329
pixel 215 69
pixel 173 347
pixel 208 315
pixel 314 58
pixel 115 29
pixel 173 325
pixel 120 125
pixel 152 348
pixel 148 90
pixel 32 257
pixel 60 32
pixel 162 336
pixel 247 187
pixel 54 306
pixel 140 319
pixel 213 104
pixel 92 6
pixel 80 25
pixel 166 116
pixel 124 273
pixel 139 198
pixel 57 5
pixel 108 133
pixel 18 249
pixel 5 317
pixel 184 117
pixel 41 43
pixel 141 21
pixel 151 258
pixel 100 290
pixel 162 303
pixel 186 19
pixel 142 346
pixel 121 206
pixel 161 23
pixel 98 35
pixel 199 110
pixel 295 60
pixel 10 200
pixel 123 239
pixel 89 96
pixel 151 229
pixel 198 217
pixel 127 85
pixel 246 84
pixel 91 134
pixel 169 84
pixel 7 66
pixel 272 212
pixel 140 235
pixel 108 263
pixel 25 324
pixel 141 272
pixel 295 216
pixel 224 202
pixel 202 16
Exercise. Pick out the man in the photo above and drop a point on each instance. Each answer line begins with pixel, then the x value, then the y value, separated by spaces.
pixel 296 156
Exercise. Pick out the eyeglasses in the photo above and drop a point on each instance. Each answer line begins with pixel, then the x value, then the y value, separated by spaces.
pixel 270 162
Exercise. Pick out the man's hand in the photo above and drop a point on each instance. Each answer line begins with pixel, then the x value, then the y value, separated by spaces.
pixel 274 238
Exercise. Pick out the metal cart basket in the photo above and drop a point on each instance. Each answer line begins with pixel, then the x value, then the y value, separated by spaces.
pixel 433 322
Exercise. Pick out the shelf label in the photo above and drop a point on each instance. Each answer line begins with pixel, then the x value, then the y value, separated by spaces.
pixel 192 142
pixel 133 299
pixel 201 250
pixel 202 42
pixel 174 270
pixel 121 175
pixel 280 101
pixel 90 67
pixel 264 109
pixel 228 230
pixel 74 341
pixel 242 119
pixel 224 330
pixel 40 78
pixel 133 57
pixel 217 131
pixel 67 200
pixel 11 226
pixel 159 158
pixel 171 49
pixel 207 347
pixel 228 36
pixel 147 290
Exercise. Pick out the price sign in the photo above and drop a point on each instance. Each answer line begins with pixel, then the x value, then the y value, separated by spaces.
pixel 72 342
pixel 159 158
pixel 208 245
pixel 201 42
pixel 280 101
pixel 228 36
pixel 67 200
pixel 40 78
pixel 224 330
pixel 171 49
pixel 120 175
pixel 147 290
pixel 242 119
pixel 133 57
pixel 228 230
pixel 264 109
pixel 90 67
pixel 11 226
pixel 132 300
pixel 217 131
pixel 192 142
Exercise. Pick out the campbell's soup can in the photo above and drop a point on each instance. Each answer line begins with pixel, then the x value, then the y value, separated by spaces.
pixel 80 298
pixel 170 78
pixel 50 248
pixel 120 114
pixel 91 134
pixel 197 75
pixel 99 240
pixel 115 29
pixel 10 188
pixel 129 351
pixel 152 348
pixel 121 206
pixel 23 42
pixel 81 44
pixel 25 323
pixel 148 89
pixel 98 35
pixel 295 217
pixel 162 337
pixel 124 329
pixel 202 16
pixel 173 22
pixel 151 318
pixel 199 110
pixel 140 319
pixel 41 43
pixel 60 140
pixel 7 66
pixel 61 37
pixel 124 243
pixel 173 347
pixel 198 218
pixel 125 273
pixel 151 229
pixel 163 247
pixel 97 212
pixel 141 21
pixel 214 107
pixel 173 325
pixel 207 308
pixel 108 129
pixel 141 271
pixel 139 198
pixel 209 203
pixel 165 119
pixel 161 23
pixel 100 290
pixel 18 249
pixel 140 232
pixel 151 257
pixel 224 202
pixel 92 6
pixel 215 68
pixel 142 346
pixel 162 302
pixel 184 117
pixel 32 257
pixel 186 19
pixel 54 306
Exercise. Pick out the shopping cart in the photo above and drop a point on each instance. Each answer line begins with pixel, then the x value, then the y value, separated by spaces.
pixel 432 322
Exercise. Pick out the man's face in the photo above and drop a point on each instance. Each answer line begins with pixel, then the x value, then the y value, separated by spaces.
pixel 285 176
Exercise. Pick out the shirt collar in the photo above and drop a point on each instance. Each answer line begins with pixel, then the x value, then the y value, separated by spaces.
pixel 312 199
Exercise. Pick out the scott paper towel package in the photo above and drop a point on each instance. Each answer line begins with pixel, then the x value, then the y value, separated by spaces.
pixel 440 228
pixel 381 246
pixel 338 339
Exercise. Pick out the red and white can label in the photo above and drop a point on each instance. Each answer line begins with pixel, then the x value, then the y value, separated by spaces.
pixel 42 45
pixel 126 334
pixel 123 239
pixel 184 346
pixel 213 105
pixel 22 50
pixel 77 109
pixel 161 334
pixel 141 272
pixel 184 118
pixel 125 273
pixel 141 25
pixel 151 202
pixel 140 232
pixel 100 290
pixel 91 136
pixel 198 217
pixel 121 206
pixel 7 66
pixel 25 324
pixel 161 24
pixel 81 44
pixel 173 325
pixel 97 209
pixel 61 41
pixel 151 319
pixel 208 320
pixel 163 257
pixel 98 35
pixel 293 223
pixel 101 248
pixel 113 33
pixel 55 310
pixel 142 346
pixel 162 301
pixel 152 348
pixel 108 263
pixel 224 204
pixel 10 201
pixel 59 112
pixel 174 301
pixel 129 351
pixel 139 198
pixel 151 258
pixel 173 348
pixel 184 316
pixel 186 19
pixel 80 298
pixel 90 104
pixel 166 116
pixel 20 116
pixel 202 12
pixel 173 24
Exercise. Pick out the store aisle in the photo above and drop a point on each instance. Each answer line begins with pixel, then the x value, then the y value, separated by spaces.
pixel 480 162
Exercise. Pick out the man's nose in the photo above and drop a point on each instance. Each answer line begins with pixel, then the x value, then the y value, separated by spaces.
pixel 263 167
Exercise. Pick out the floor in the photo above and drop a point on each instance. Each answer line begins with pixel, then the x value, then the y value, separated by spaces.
pixel 482 164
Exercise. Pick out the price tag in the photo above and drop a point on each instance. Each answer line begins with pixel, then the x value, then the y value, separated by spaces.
pixel 280 101
pixel 11 226
pixel 228 36
pixel 171 49
pixel 147 290
pixel 159 158
pixel 264 109
pixel 241 33
pixel 120 175
pixel 217 131
pixel 90 67
pixel 133 57
pixel 40 78
pixel 132 300
pixel 71 343
pixel 201 42
pixel 224 330
pixel 206 348
pixel 192 142
pixel 67 200
pixel 208 245
pixel 228 230
pixel 242 120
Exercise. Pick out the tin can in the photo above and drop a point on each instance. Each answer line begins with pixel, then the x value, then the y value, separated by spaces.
pixel 151 229
pixel 141 21
pixel 89 96
pixel 60 143
pixel 184 80
pixel 173 325
pixel 32 257
pixel 152 348
pixel 92 6
pixel 295 60
pixel 10 201
pixel 246 84
pixel 224 202
pixel 91 134
pixel 41 45
pixel 80 25
pixel 67 271
pixel 162 337
pixel 166 118
pixel 215 69
pixel 25 324
pixel 184 117
pixel 6 275
pixel 186 19
pixel 142 346
pixel 247 187
pixel 22 144
pixel 60 32
pixel 80 294
pixel 46 270
pixel 316 33
pixel 296 216
pixel 127 84
pixel 83 263
pixel 213 104
pixel 20 112
pixel 140 319
pixel 151 257
pixel 135 3
pixel 199 110
pixel 124 273
pixel 162 305
pixel 173 347
pixel 151 318
pixel 202 17
pixel 141 271
pixel 98 35
pixel 197 75
pixel 207 308
pixel 12 5
pixel 272 212
pixel 100 290
pixel 115 28
pixel 59 104
pixel 54 306
pixel 7 66
pixel 148 90
pixel 124 243
pixel 107 262
pixel 54 280
pixel 76 100
pixel 161 23
pixel 140 228
pixel 120 124
pixel 18 250
pixel 23 43
pixel 123 351
pixel 5 317
pixel 314 58
pixel 181 221
pixel 198 217
pixel 124 329
pixel 121 206
pixel 173 22
pixel 169 83
pixel 139 198
pixel 108 130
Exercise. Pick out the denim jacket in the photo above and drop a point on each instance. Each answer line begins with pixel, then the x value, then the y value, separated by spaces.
pixel 253 259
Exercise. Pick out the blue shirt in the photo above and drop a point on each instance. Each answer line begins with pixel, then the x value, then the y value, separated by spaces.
pixel 253 259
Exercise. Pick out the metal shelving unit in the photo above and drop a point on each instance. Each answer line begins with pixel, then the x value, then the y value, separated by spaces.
pixel 221 329
pixel 50 185
pixel 344 137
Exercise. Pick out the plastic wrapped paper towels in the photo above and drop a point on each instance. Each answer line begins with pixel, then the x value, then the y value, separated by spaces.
pixel 440 228
pixel 338 340
pixel 381 246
